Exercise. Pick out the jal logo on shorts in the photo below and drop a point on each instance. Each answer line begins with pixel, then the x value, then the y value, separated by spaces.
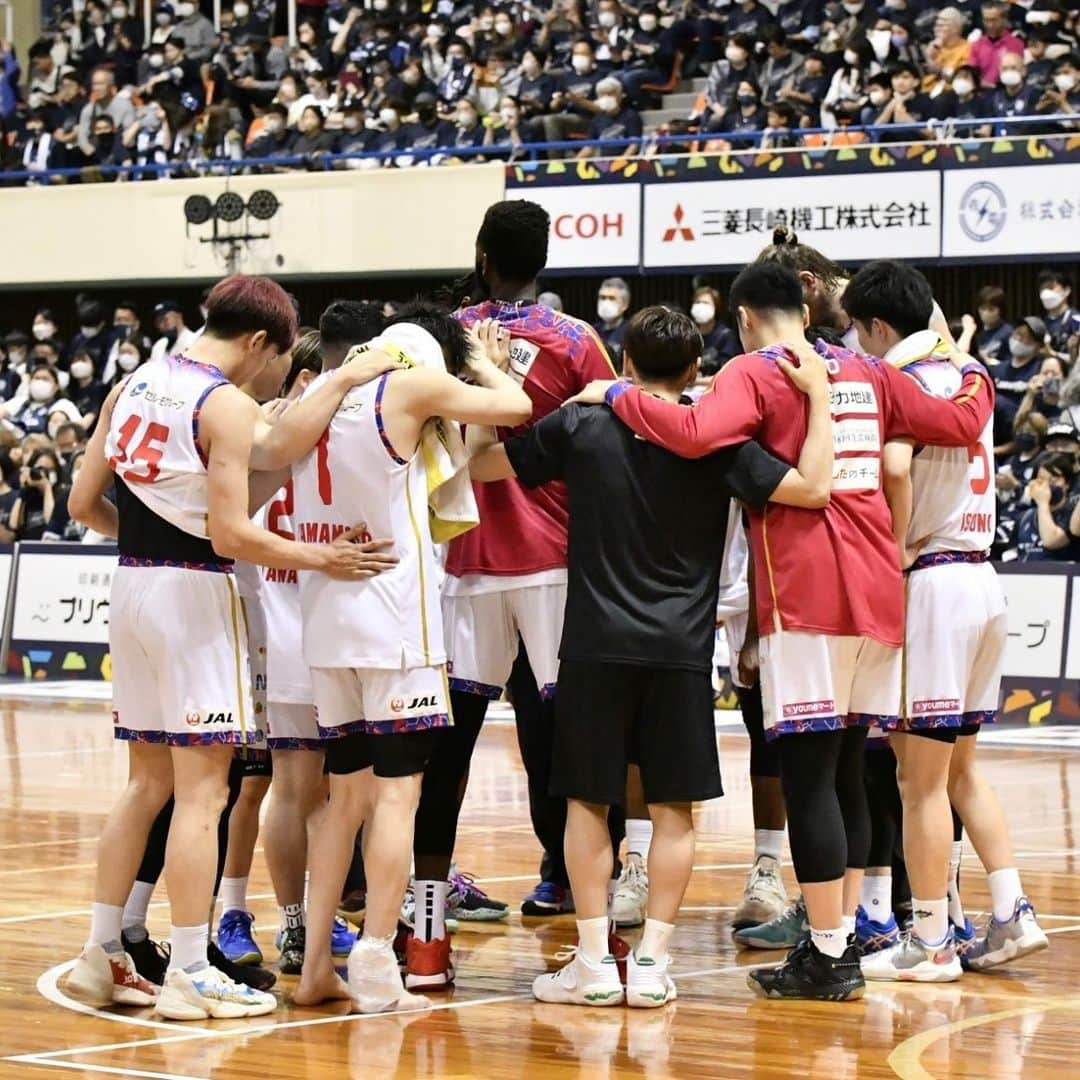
pixel 397 704
pixel 431 701
pixel 194 718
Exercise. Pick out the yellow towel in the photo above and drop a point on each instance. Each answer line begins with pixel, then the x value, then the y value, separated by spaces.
pixel 924 345
pixel 452 506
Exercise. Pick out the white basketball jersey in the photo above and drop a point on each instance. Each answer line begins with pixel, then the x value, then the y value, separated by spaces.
pixel 353 478
pixel 953 495
pixel 153 439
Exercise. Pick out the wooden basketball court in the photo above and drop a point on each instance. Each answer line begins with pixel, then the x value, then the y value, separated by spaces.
pixel 59 773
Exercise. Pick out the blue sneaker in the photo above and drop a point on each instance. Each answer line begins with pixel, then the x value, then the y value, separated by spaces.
pixel 235 940
pixel 342 938
pixel 965 937
pixel 470 904
pixel 548 899
pixel 872 937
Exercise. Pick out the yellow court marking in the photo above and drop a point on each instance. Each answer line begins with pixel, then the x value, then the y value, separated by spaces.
pixel 905 1059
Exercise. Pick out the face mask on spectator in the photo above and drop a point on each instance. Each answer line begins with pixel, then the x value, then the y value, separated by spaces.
pixel 648 23
pixel 582 64
pixel 457 61
pixel 1050 298
pixel 466 118
pixel 382 5
pixel 127 361
pixel 387 116
pixel 853 9
pixel 184 10
pixel 435 31
pixel 608 310
pixel 877 96
pixel 702 312
pixel 851 58
pixel 746 100
pixel 734 54
pixel 241 10
pixel 504 27
pixel 487 22
pixel 351 123
pixel 1026 441
pixel 963 87
pixel 1064 82
pixel 606 19
pixel 81 369
pixel 509 117
pixel 880 40
pixel 1011 77
pixel 273 125
pixel 156 60
pixel 44 330
pixel 410 77
pixel 1020 348
pixel 608 103
pixel 898 40
pixel 530 66
pixel 162 18
pixel 41 389
pixel 118 13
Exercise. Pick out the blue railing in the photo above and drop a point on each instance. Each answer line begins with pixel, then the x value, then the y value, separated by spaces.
pixel 941 131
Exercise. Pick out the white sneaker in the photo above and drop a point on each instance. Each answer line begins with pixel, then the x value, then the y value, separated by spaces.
pixel 648 985
pixel 198 995
pixel 375 983
pixel 101 978
pixel 1019 936
pixel 631 893
pixel 764 897
pixel 581 982
pixel 912 960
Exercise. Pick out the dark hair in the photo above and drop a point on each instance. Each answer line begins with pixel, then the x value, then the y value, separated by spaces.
pixel 1068 60
pixel 90 312
pixel 1059 464
pixel 127 305
pixel 1052 276
pixel 46 313
pixel 785 110
pixel 350 322
pixel 514 237
pixel 826 334
pixel 306 356
pixel 176 41
pixel 743 41
pixel 278 109
pixel 787 251
pixel 903 66
pixel 662 343
pixel 243 304
pixel 40 49
pixel 441 325
pixel 991 296
pixel 80 433
pixel 891 291
pixel 880 79
pixel 317 112
pixel 775 35
pixel 463 43
pixel 767 286
pixel 133 338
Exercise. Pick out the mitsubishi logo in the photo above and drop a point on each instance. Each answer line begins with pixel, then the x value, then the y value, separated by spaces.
pixel 678 229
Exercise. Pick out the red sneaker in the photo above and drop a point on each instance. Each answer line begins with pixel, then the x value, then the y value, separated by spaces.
pixel 620 949
pixel 100 978
pixel 428 964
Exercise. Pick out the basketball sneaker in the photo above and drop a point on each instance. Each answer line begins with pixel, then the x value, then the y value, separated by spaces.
pixel 809 973
pixel 631 893
pixel 428 964
pixel 783 932
pixel 581 981
pixel 375 983
pixel 342 938
pixel 197 995
pixel 548 899
pixel 352 907
pixel 151 958
pixel 407 916
pixel 764 897
pixel 1019 936
pixel 467 903
pixel 101 978
pixel 648 985
pixel 253 975
pixel 965 937
pixel 912 960
pixel 234 937
pixel 871 936
pixel 291 943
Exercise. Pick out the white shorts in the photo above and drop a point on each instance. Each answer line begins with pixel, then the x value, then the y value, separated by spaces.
pixel 375 701
pixel 255 626
pixel 482 637
pixel 181 669
pixel 292 727
pixel 822 682
pixel 957 628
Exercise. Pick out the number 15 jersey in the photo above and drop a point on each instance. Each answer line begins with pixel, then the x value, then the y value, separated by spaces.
pixel 355 477
pixel 153 439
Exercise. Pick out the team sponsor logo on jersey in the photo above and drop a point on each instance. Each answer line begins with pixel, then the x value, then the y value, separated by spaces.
pixel 522 355
pixel 936 705
pixel 809 708
pixel 288 577
pixel 856 435
pixel 422 701
pixel 856 474
pixel 206 718
pixel 143 390
pixel 852 397
pixel 319 532
pixel 977 523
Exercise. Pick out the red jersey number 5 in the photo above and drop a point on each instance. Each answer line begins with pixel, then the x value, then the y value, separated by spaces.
pixel 149 450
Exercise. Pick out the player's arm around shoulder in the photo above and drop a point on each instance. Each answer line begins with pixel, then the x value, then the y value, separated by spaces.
pixel 86 502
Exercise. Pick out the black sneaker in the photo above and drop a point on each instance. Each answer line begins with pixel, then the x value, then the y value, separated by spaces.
pixel 809 973
pixel 151 958
pixel 258 978
pixel 292 951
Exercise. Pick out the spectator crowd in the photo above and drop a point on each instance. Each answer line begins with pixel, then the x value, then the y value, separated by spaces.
pixel 56 372
pixel 484 80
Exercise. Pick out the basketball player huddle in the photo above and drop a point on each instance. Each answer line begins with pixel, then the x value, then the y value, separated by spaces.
pixel 335 550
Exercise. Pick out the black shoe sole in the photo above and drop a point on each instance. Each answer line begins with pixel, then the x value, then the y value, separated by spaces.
pixel 290 969
pixel 852 994
pixel 542 911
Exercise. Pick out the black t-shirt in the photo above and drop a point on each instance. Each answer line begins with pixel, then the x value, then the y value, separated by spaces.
pixel 1011 383
pixel 1029 543
pixel 647 533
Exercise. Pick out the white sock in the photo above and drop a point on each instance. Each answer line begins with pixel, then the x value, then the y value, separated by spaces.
pixel 592 938
pixel 769 842
pixel 956 905
pixel 233 894
pixel 931 920
pixel 429 922
pixel 638 837
pixel 655 938
pixel 188 947
pixel 830 942
pixel 876 897
pixel 292 916
pixel 138 903
pixel 849 924
pixel 105 922
pixel 1005 890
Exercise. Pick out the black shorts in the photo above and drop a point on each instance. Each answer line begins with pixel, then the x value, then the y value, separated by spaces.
pixel 945 734
pixel 607 715
pixel 403 753
pixel 255 762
